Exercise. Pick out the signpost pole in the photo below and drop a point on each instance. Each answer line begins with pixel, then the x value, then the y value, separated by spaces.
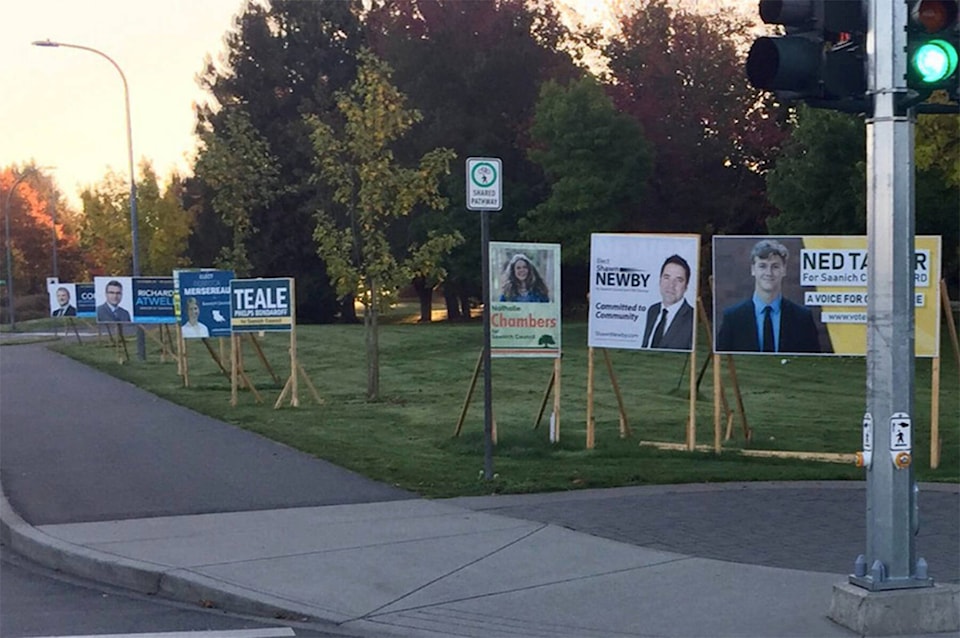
pixel 484 183
pixel 487 377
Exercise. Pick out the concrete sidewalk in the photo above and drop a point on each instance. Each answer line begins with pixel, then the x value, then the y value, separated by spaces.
pixel 422 568
pixel 370 559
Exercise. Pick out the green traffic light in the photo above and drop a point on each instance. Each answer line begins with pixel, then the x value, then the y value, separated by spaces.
pixel 935 61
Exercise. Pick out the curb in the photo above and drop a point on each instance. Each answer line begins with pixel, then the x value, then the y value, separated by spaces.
pixel 26 540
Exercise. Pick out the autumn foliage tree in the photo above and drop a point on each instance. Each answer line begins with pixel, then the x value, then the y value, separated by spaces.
pixel 38 217
pixel 680 74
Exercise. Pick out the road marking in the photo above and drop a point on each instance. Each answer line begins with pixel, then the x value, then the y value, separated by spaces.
pixel 276 632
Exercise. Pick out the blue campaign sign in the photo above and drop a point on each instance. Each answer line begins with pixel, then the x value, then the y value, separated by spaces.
pixel 153 300
pixel 261 304
pixel 204 303
pixel 86 301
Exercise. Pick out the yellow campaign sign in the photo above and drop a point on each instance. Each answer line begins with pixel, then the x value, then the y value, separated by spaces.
pixel 833 274
pixel 807 295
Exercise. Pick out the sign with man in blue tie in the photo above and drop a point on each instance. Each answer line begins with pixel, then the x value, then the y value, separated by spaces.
pixel 807 295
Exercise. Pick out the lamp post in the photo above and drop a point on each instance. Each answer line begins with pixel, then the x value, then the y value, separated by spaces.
pixel 134 231
pixel 9 245
pixel 53 223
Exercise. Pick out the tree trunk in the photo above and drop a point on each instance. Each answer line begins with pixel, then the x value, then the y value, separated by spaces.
pixel 372 328
pixel 452 302
pixel 348 310
pixel 425 294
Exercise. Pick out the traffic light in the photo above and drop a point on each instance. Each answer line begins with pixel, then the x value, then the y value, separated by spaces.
pixel 933 40
pixel 821 59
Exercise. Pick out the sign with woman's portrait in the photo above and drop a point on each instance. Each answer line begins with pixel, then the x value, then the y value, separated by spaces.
pixel 524 300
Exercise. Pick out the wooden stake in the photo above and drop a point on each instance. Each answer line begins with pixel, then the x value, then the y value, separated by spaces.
pixel 591 424
pixel 263 357
pixel 234 365
pixel 556 399
pixel 624 426
pixel 215 357
pixel 951 327
pixel 184 365
pixel 692 417
pixel 466 402
pixel 73 324
pixel 313 390
pixel 747 433
pixel 717 391
pixel 935 413
pixel 546 396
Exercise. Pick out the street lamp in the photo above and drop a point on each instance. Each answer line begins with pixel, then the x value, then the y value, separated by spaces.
pixel 6 230
pixel 134 231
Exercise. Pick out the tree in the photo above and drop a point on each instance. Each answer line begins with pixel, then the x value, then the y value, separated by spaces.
pixel 474 70
pixel 237 165
pixel 33 206
pixel 596 161
pixel 372 192
pixel 819 181
pixel 284 59
pixel 164 225
pixel 105 230
pixel 680 74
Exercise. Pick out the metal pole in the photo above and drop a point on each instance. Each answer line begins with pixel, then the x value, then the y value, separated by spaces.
pixel 53 224
pixel 11 310
pixel 890 560
pixel 487 378
pixel 134 226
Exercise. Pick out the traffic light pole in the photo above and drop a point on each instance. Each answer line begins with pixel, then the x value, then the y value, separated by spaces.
pixel 890 561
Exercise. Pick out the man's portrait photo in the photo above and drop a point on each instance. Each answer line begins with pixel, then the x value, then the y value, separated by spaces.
pixel 669 322
pixel 766 321
pixel 110 300
pixel 61 304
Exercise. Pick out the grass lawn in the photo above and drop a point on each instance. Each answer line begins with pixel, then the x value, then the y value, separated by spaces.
pixel 808 404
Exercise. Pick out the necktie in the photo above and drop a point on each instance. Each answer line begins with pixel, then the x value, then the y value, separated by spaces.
pixel 658 333
pixel 768 343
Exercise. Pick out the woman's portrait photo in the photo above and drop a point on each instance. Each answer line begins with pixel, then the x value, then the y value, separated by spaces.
pixel 521 281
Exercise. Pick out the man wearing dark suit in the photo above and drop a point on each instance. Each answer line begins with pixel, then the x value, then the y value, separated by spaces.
pixel 111 312
pixel 63 309
pixel 670 322
pixel 767 322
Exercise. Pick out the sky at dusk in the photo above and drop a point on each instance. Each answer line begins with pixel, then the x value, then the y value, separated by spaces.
pixel 64 108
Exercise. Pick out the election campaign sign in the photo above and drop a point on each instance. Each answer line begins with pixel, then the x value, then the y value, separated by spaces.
pixel 816 287
pixel 524 300
pixel 86 300
pixel 643 291
pixel 63 298
pixel 153 300
pixel 262 304
pixel 204 300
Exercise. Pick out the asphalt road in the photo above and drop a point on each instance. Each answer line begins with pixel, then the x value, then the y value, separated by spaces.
pixel 39 602
pixel 79 446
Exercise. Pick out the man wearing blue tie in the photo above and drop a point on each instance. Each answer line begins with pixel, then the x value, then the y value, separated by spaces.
pixel 767 322
pixel 110 311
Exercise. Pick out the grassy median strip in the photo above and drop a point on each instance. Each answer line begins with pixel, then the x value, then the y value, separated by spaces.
pixel 809 404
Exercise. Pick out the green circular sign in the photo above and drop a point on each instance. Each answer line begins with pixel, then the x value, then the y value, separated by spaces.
pixel 483 174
